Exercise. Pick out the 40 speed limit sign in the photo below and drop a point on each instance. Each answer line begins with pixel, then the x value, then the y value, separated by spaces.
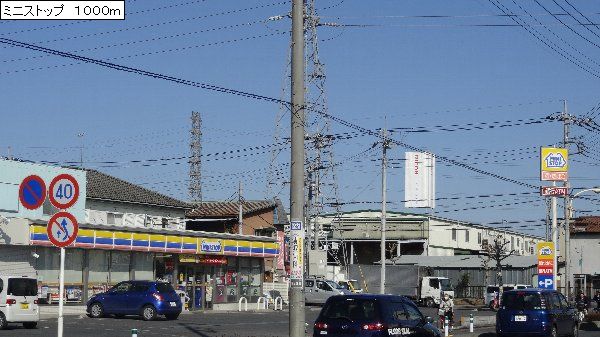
pixel 63 191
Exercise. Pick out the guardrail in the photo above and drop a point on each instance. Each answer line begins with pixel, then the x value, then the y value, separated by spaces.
pixel 243 299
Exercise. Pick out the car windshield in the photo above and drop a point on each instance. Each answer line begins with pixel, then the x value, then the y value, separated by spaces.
pixel 334 285
pixel 164 288
pixel 445 284
pixel 22 287
pixel 521 301
pixel 351 309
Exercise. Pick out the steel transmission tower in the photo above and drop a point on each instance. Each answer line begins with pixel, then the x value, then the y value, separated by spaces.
pixel 195 178
pixel 320 176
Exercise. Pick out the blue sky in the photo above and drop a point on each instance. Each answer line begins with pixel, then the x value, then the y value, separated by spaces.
pixel 389 68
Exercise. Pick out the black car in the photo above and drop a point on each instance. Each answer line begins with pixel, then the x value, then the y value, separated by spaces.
pixel 373 316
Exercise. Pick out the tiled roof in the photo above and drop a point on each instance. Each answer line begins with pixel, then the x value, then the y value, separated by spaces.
pixel 106 187
pixel 586 224
pixel 228 208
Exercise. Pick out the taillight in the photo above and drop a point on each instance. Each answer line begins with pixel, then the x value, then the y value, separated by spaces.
pixel 321 326
pixel 35 301
pixel 11 301
pixel 158 297
pixel 373 326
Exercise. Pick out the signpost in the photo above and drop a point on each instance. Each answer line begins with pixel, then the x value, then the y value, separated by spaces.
pixel 554 164
pixel 32 192
pixel 62 228
pixel 546 265
pixel 296 254
pixel 63 191
pixel 553 191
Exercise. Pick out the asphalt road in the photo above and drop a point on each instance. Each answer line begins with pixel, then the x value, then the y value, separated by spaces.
pixel 213 324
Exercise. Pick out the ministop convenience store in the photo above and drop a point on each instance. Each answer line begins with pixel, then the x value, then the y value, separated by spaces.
pixel 221 266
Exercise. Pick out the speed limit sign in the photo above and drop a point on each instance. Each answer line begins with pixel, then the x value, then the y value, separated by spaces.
pixel 63 191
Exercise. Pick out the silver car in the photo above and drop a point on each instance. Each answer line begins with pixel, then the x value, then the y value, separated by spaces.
pixel 318 290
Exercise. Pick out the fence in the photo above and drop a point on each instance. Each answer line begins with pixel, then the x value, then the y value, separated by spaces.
pixel 469 292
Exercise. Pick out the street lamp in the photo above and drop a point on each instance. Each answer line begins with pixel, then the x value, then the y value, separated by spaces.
pixel 568 234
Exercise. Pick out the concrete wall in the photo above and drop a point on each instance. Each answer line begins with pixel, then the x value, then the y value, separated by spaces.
pixel 585 248
pixel 17 261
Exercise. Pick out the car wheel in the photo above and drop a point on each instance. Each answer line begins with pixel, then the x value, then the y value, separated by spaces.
pixel 575 331
pixel 96 310
pixel 148 313
pixel 171 317
pixel 30 325
pixel 3 322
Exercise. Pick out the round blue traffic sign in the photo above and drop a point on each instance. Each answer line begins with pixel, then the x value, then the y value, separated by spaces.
pixel 32 192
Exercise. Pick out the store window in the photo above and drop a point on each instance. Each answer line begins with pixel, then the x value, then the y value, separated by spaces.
pixel 143 264
pixel 98 264
pixel 119 266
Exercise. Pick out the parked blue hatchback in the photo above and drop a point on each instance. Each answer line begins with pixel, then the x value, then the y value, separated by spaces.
pixel 536 312
pixel 370 315
pixel 147 299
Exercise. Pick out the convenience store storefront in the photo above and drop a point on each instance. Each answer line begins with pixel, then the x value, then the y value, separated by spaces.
pixel 222 267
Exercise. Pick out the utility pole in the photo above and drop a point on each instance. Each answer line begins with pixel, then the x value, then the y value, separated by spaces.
pixel 384 146
pixel 566 129
pixel 554 233
pixel 297 228
pixel 241 210
pixel 80 135
pixel 195 174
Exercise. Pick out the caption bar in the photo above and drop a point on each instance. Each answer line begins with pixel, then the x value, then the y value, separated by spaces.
pixel 62 10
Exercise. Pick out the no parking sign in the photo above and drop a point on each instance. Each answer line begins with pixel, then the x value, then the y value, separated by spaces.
pixel 32 192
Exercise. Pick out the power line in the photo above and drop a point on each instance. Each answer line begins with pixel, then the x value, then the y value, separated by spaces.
pixel 249 95
pixel 540 37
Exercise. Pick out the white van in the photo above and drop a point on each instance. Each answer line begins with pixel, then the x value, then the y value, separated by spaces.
pixel 19 301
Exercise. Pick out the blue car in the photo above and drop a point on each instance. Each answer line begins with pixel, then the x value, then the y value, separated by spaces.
pixel 372 316
pixel 536 312
pixel 147 299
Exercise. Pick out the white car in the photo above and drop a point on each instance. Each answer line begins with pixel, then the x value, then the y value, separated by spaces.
pixel 19 301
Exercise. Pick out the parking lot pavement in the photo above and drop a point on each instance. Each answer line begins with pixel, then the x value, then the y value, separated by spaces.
pixel 209 324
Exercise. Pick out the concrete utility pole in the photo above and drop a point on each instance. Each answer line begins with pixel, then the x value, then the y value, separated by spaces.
pixel 241 210
pixel 297 315
pixel 384 146
pixel 566 129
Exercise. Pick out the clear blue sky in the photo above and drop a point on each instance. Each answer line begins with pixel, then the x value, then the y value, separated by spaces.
pixel 419 72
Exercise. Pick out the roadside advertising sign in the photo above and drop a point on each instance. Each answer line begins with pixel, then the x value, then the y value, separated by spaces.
pixel 554 164
pixel 546 273
pixel 554 191
pixel 296 254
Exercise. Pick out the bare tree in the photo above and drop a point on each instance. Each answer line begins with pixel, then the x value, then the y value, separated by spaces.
pixel 495 253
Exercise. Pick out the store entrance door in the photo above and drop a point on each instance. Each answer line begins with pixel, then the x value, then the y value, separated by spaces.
pixel 195 286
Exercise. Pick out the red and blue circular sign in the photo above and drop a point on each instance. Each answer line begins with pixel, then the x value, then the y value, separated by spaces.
pixel 63 191
pixel 32 192
pixel 62 229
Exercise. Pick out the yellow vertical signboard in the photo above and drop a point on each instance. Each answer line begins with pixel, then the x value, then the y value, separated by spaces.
pixel 554 164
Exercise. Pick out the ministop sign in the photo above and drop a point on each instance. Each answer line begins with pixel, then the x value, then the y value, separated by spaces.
pixel 32 192
pixel 63 191
pixel 62 229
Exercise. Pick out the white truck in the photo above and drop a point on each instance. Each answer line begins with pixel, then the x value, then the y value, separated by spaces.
pixel 431 289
